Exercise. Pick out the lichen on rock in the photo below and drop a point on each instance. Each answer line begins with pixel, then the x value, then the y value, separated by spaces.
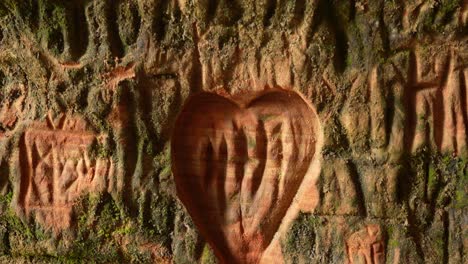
pixel 90 92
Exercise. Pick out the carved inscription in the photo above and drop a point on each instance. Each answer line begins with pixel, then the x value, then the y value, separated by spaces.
pixel 437 105
pixel 12 101
pixel 366 246
pixel 238 165
pixel 56 169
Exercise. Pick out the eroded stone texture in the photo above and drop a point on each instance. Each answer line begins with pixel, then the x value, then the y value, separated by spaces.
pixel 13 105
pixel 366 246
pixel 56 169
pixel 238 164
pixel 387 81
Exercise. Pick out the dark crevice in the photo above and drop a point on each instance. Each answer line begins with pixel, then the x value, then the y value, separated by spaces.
pixel 56 42
pixel 389 113
pixel 196 71
pixel 27 11
pixel 6 242
pixel 409 96
pixel 261 147
pixel 341 51
pixel 4 175
pixel 34 19
pixel 415 233
pixel 199 245
pixel 175 11
pixel 160 20
pixel 299 12
pixel 455 138
pixel 25 171
pixel 415 13
pixel 221 163
pixel 403 184
pixel 352 10
pixel 445 219
pixel 128 151
pixel 438 108
pixel 2 81
pixel 354 176
pixel 425 171
pixel 230 11
pixel 270 11
pixel 14 94
pixel 136 20
pixel 113 36
pixel 383 30
pixel 464 100
pixel 77 30
pixel 240 153
pixel 327 9
pixel 211 10
pixel 82 98
pixel 209 161
pixel 316 22
pixel 146 210
pixel 450 13
pixel 61 88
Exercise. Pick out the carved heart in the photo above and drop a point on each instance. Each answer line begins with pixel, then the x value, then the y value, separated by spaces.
pixel 238 164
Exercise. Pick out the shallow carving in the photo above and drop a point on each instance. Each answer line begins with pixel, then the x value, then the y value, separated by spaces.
pixel 366 246
pixel 238 164
pixel 56 168
pixel 437 106
pixel 11 106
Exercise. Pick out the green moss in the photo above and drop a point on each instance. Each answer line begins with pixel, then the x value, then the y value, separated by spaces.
pixel 449 6
pixel 99 221
pixel 251 142
pixel 440 16
pixel 163 161
pixel 49 25
pixel 208 256
pixel 444 177
pixel 6 199
pixel 157 217
pixel 22 10
pixel 99 150
pixel 432 181
pixel 461 193
pixel 300 240
pixel 13 223
pixel 393 241
pixel 4 9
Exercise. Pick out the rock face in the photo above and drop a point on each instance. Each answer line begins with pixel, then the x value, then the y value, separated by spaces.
pixel 56 170
pixel 177 131
pixel 366 246
pixel 238 166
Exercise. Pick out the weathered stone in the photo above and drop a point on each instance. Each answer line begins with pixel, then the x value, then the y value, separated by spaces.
pixel 363 105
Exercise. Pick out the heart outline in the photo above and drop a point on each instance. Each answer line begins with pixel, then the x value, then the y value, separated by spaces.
pixel 231 239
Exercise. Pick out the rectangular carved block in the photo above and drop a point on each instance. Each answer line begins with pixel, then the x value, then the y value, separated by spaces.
pixel 56 169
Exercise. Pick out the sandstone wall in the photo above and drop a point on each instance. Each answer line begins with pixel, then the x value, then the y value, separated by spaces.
pixel 373 145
